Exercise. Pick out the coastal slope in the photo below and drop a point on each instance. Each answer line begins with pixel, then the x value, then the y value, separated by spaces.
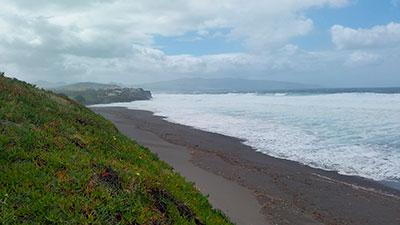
pixel 90 93
pixel 60 163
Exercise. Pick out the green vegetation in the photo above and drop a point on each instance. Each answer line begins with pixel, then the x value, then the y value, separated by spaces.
pixel 60 163
pixel 95 93
pixel 83 86
pixel 104 96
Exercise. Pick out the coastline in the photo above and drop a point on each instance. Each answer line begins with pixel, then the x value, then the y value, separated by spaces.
pixel 287 192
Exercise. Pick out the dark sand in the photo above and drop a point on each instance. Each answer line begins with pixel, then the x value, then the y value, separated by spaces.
pixel 254 188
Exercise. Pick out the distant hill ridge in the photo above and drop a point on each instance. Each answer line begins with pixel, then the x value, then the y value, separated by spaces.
pixel 83 86
pixel 90 93
pixel 201 85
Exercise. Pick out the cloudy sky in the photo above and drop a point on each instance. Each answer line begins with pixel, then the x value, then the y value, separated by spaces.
pixel 325 42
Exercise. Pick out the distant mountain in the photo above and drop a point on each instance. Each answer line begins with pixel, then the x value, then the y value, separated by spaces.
pixel 223 85
pixel 90 93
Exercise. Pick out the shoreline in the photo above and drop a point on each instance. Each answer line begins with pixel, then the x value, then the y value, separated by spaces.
pixel 287 192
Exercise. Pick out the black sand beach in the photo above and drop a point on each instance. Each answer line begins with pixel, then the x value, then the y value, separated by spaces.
pixel 254 188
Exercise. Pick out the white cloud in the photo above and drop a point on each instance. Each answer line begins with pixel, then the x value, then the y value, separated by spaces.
pixel 113 40
pixel 381 36
pixel 52 39
pixel 395 3
pixel 360 58
pixel 258 24
pixel 149 63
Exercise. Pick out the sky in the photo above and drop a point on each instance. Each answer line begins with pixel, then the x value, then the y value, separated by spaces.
pixel 332 43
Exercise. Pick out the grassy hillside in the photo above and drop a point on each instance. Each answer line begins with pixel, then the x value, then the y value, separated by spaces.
pixel 83 86
pixel 60 163
pixel 96 93
pixel 105 96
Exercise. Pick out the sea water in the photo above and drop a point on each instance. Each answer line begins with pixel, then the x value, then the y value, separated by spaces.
pixel 352 133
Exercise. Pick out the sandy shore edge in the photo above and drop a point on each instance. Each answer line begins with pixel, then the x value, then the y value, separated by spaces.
pixel 235 177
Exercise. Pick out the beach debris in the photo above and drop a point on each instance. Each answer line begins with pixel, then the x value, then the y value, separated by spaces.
pixel 111 178
pixel 162 197
pixel 78 141
pixel 82 121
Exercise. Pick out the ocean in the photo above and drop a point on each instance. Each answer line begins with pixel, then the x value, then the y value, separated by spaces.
pixel 352 132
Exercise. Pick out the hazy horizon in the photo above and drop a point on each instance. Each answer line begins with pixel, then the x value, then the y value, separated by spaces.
pixel 46 84
pixel 331 43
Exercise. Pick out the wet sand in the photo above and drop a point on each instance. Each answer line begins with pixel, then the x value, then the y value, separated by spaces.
pixel 254 188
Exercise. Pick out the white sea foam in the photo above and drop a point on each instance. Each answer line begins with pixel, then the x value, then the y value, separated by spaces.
pixel 354 133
